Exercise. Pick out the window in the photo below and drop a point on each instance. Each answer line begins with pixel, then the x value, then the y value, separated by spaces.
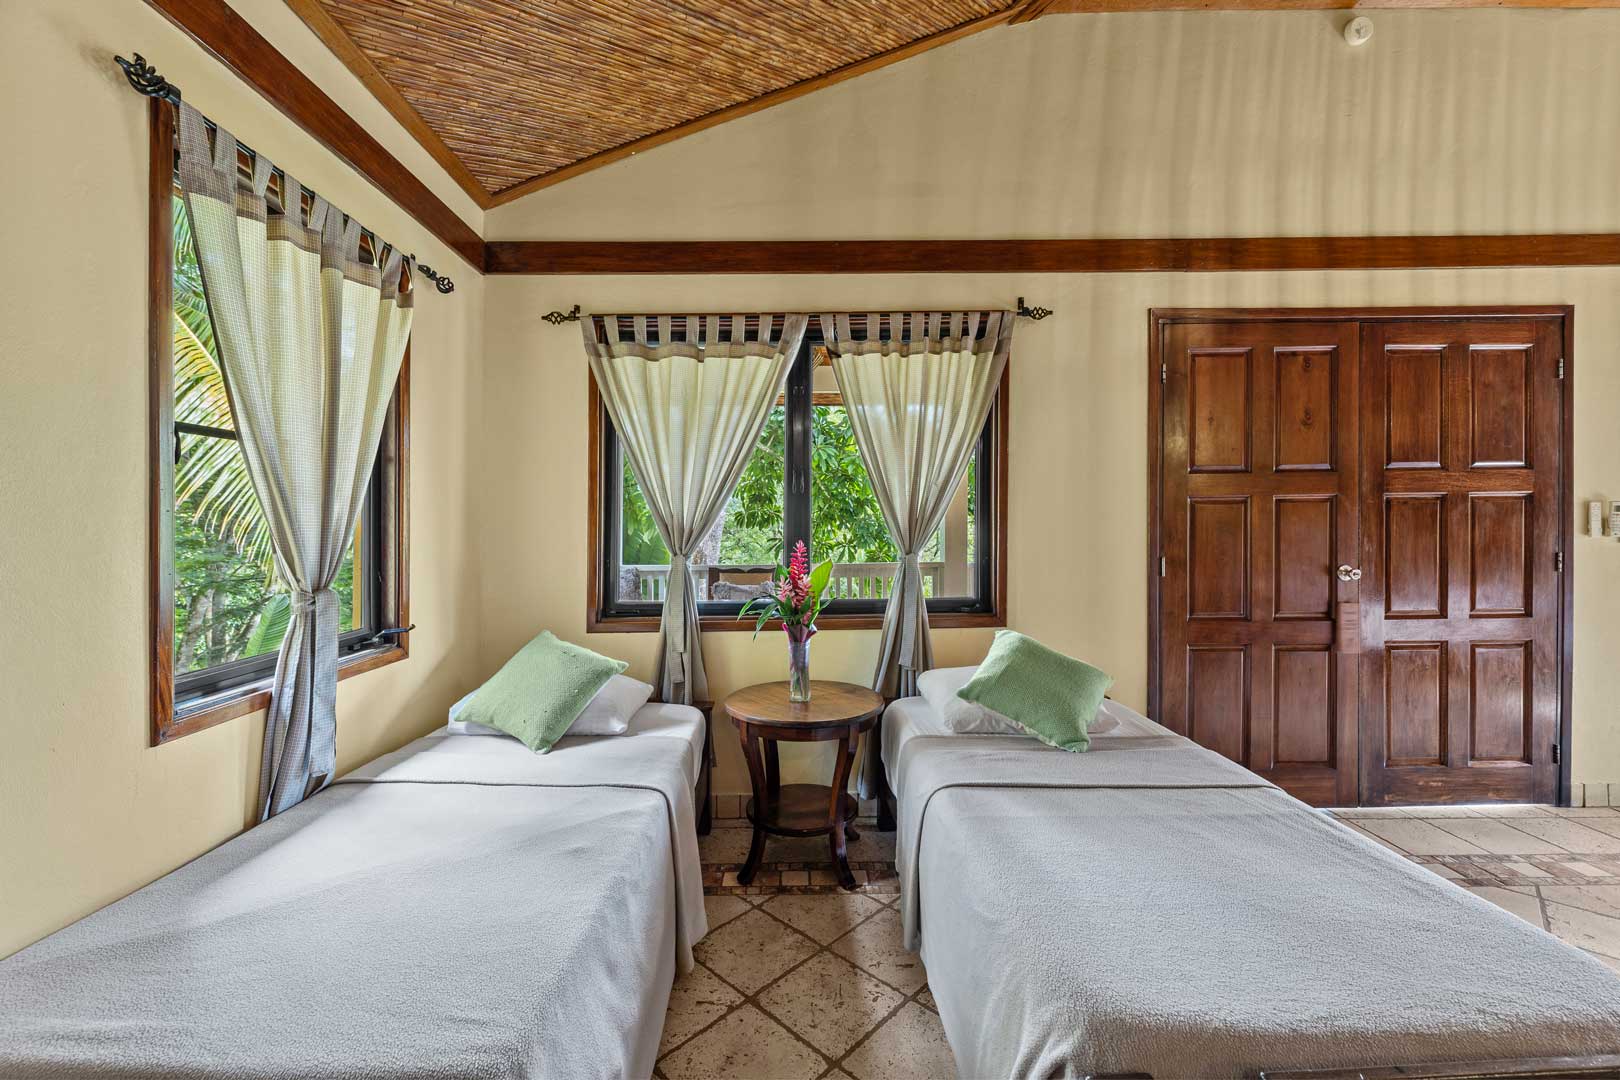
pixel 805 481
pixel 219 609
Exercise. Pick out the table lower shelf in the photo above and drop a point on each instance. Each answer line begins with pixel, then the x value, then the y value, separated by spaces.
pixel 799 810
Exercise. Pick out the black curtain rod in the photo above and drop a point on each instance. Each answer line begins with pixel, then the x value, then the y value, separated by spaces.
pixel 557 318
pixel 146 80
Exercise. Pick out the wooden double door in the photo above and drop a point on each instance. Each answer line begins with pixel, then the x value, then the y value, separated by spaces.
pixel 1362 528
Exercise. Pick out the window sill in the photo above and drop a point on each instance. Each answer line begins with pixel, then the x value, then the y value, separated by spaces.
pixel 202 713
pixel 597 623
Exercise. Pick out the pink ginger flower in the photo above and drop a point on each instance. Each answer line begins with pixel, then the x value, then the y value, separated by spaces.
pixel 796 589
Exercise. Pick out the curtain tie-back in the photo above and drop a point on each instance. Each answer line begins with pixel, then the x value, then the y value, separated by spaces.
pixel 676 586
pixel 908 587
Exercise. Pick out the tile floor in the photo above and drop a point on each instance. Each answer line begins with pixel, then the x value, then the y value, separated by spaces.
pixel 800 980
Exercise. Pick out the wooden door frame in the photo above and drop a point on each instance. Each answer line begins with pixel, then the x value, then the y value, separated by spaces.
pixel 1160 319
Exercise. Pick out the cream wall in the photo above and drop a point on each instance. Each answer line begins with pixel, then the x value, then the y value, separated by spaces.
pixel 1118 125
pixel 88 811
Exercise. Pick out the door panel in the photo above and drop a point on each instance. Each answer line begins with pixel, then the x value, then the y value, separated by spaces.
pixel 1260 505
pixel 1461 504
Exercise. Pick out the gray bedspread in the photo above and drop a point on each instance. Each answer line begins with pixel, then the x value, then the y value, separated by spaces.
pixel 461 908
pixel 1149 906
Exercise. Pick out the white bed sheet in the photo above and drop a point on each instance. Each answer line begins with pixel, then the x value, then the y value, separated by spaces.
pixel 321 944
pixel 654 718
pixel 906 718
pixel 1227 883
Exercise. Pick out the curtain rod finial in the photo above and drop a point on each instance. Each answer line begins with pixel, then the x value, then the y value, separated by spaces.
pixel 557 318
pixel 1035 314
pixel 145 79
pixel 440 282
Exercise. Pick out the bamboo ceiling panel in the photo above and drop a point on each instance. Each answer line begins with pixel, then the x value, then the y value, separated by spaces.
pixel 519 89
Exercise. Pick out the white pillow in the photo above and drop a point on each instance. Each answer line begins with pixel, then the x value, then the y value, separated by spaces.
pixel 939 687
pixel 608 713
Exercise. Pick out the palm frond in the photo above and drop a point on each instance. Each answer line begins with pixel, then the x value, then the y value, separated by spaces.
pixel 211 480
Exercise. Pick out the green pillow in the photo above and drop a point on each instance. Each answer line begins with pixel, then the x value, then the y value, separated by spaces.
pixel 541 691
pixel 1052 695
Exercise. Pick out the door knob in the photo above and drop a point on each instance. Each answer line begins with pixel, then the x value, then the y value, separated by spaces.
pixel 1349 573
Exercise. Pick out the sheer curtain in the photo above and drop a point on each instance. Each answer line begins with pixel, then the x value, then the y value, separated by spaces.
pixel 917 388
pixel 310 344
pixel 688 397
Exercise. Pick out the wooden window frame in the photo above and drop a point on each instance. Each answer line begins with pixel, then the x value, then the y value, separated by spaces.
pixel 600 620
pixel 171 720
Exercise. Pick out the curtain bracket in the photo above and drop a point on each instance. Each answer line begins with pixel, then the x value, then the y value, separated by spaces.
pixel 1034 314
pixel 557 318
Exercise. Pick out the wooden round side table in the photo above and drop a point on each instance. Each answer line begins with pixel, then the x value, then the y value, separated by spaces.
pixel 764 716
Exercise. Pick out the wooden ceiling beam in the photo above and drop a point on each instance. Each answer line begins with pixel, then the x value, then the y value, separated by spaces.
pixel 1039 8
pixel 237 45
pixel 1210 255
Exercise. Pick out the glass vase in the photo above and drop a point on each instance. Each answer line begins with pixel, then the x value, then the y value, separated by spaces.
pixel 799 662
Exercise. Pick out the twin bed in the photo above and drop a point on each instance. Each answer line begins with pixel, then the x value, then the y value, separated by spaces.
pixel 1149 907
pixel 461 908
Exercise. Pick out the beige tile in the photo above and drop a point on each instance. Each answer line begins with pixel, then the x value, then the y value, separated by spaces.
pixel 1358 813
pixel 795 877
pixel 1443 870
pixel 1587 869
pixel 875 947
pixel 1603 899
pixel 873 846
pixel 825 917
pixel 926 1000
pixel 722 909
pixel 1498 837
pixel 1571 835
pixel 1513 810
pixel 1609 823
pixel 726 844
pixel 1379 840
pixel 697 1000
pixel 805 849
pixel 1440 811
pixel 752 950
pixel 745 1044
pixel 1419 837
pixel 1586 812
pixel 838 1074
pixel 909 1046
pixel 829 1003
pixel 1611 962
pixel 1528 869
pixel 1525 905
pixel 1586 929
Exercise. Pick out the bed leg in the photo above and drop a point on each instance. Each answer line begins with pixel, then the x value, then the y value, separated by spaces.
pixel 885 812
pixel 705 782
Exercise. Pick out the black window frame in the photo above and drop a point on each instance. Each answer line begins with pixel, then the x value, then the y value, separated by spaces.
pixel 797 498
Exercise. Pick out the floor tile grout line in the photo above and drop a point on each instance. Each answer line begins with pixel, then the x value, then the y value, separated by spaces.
pixel 1561 847
pixel 875 1028
pixel 752 999
pixel 904 997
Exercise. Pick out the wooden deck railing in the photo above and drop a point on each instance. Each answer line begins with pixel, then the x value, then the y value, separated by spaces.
pixel 862 581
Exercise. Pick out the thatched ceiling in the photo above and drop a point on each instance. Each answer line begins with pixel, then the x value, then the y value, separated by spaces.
pixel 512 94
